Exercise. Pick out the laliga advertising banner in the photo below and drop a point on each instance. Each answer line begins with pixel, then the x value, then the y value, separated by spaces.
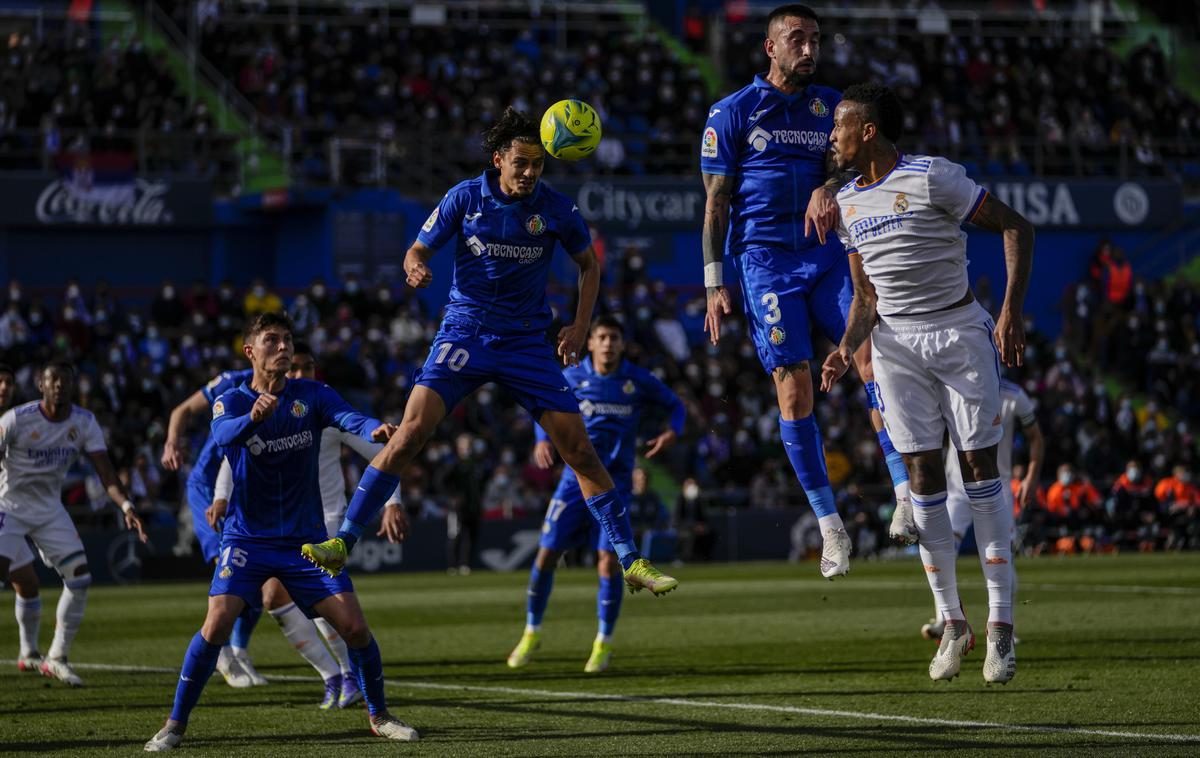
pixel 102 190
pixel 646 206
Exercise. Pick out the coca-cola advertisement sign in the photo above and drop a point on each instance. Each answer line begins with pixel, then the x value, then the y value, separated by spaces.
pixel 45 200
pixel 139 203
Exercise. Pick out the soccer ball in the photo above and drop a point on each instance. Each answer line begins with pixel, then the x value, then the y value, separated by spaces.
pixel 570 130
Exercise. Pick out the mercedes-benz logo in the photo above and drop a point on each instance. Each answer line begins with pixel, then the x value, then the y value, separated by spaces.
pixel 124 563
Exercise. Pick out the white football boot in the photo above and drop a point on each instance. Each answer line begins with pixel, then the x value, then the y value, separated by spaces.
pixel 1000 665
pixel 835 554
pixel 31 663
pixel 58 668
pixel 387 725
pixel 247 666
pixel 957 641
pixel 168 738
pixel 231 668
pixel 904 526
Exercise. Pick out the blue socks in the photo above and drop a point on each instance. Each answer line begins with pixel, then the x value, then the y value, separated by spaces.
pixel 371 493
pixel 540 585
pixel 608 602
pixel 613 517
pixel 802 442
pixel 369 664
pixel 244 627
pixel 895 461
pixel 198 665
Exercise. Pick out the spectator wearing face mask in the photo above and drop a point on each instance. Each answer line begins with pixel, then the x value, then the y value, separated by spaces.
pixel 168 310
pixel 260 300
pixel 1180 497
pixel 1074 505
pixel 1134 509
pixel 695 535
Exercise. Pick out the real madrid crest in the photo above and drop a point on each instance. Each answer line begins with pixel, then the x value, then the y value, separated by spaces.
pixel 535 225
pixel 901 204
pixel 818 107
pixel 73 434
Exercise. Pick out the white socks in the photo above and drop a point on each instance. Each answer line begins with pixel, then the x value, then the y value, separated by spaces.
pixel 337 645
pixel 993 533
pixel 832 521
pixel 69 616
pixel 937 551
pixel 29 623
pixel 302 634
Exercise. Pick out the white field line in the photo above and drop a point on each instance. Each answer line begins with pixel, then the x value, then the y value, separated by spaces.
pixel 686 703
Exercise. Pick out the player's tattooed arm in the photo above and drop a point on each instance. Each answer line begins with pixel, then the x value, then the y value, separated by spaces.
pixel 859 323
pixel 416 270
pixel 719 192
pixel 822 214
pixel 1018 233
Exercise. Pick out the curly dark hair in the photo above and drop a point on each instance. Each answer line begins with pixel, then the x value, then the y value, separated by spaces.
pixel 513 126
pixel 883 107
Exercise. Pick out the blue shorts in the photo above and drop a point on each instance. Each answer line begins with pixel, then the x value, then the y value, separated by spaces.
pixel 462 360
pixel 245 565
pixel 199 497
pixel 784 293
pixel 569 523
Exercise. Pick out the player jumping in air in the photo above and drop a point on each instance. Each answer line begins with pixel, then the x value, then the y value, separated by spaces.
pixel 937 353
pixel 39 442
pixel 341 683
pixel 508 225
pixel 270 431
pixel 612 394
pixel 770 188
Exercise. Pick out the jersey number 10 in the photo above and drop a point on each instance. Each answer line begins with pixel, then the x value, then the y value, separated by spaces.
pixel 458 356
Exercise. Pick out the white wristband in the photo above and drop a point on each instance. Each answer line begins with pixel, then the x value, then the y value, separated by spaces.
pixel 127 506
pixel 713 274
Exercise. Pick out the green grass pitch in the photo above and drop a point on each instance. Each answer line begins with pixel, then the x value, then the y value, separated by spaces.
pixel 744 659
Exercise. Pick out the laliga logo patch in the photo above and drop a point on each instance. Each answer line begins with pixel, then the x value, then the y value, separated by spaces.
pixel 818 107
pixel 299 409
pixel 429 222
pixel 226 572
pixel 218 409
pixel 777 335
pixel 901 204
pixel 535 225
pixel 628 388
pixel 708 145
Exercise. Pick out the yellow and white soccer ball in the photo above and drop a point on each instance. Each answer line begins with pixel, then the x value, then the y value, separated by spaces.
pixel 570 130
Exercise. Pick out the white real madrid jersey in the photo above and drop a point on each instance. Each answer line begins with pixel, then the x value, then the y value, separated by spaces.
pixel 907 226
pixel 38 453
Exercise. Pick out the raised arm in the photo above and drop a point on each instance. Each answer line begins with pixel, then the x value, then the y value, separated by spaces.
pixel 1018 233
pixel 859 323
pixel 172 457
pixel 718 190
pixel 572 337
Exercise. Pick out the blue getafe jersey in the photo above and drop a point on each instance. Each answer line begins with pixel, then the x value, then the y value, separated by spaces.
pixel 502 260
pixel 276 494
pixel 612 406
pixel 208 463
pixel 775 145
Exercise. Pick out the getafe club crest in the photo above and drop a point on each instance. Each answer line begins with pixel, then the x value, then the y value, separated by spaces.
pixel 628 388
pixel 901 204
pixel 818 107
pixel 535 225
pixel 777 335
pixel 226 572
pixel 299 409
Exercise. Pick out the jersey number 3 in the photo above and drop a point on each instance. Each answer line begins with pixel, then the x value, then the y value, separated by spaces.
pixel 458 357
pixel 771 302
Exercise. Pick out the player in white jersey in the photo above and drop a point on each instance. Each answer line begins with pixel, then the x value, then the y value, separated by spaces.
pixel 937 353
pixel 341 686
pixel 39 442
pixel 1016 407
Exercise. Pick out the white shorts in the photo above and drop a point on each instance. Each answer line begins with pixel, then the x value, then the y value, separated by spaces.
pixel 937 372
pixel 53 533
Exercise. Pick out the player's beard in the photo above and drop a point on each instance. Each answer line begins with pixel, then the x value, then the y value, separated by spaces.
pixel 800 79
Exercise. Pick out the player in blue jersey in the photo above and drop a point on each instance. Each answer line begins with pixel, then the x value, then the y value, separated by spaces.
pixel 270 431
pixel 612 394
pixel 508 225
pixel 771 189
pixel 234 663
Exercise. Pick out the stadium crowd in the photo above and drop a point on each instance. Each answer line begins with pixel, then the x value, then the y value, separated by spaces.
pixel 1122 468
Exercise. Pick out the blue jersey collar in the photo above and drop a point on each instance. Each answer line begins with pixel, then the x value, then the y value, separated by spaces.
pixel 493 175
pixel 760 82
pixel 587 364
